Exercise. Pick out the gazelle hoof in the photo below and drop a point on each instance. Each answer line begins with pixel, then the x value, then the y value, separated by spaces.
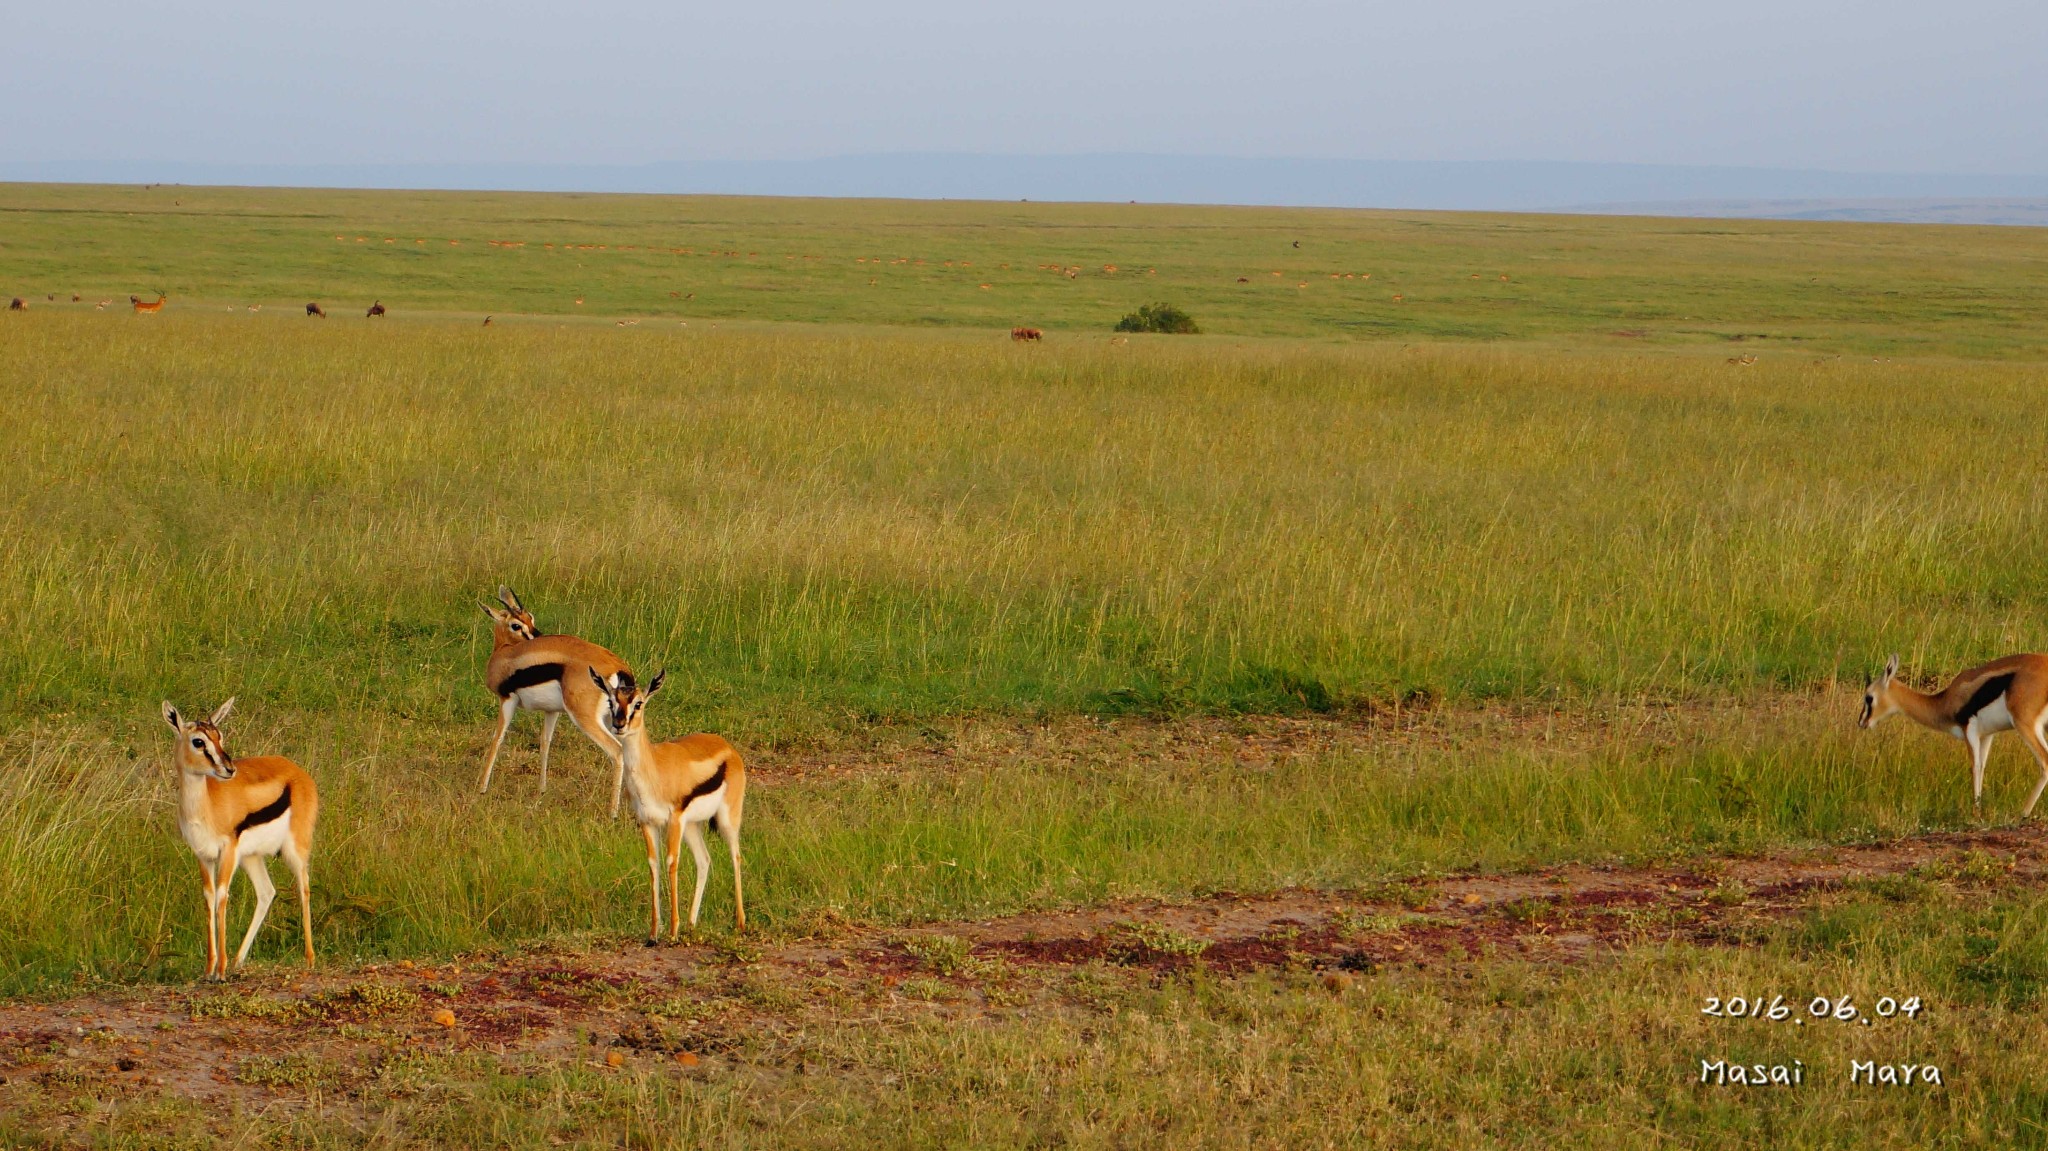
pixel 651 941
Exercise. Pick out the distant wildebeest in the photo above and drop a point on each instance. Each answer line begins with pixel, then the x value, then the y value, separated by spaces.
pixel 17 304
pixel 376 309
pixel 313 308
pixel 156 305
pixel 1026 334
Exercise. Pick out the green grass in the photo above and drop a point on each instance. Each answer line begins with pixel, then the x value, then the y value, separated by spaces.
pixel 94 885
pixel 811 527
pixel 1850 288
pixel 855 508
pixel 1489 1051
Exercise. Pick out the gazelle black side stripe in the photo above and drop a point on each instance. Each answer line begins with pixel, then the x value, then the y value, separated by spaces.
pixel 698 792
pixel 275 808
pixel 1986 693
pixel 532 675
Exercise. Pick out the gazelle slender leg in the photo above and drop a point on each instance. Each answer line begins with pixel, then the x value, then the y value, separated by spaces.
pixel 506 711
pixel 206 889
pixel 266 891
pixel 610 746
pixel 693 833
pixel 223 884
pixel 2031 736
pixel 675 866
pixel 1980 753
pixel 302 877
pixel 654 881
pixel 729 830
pixel 547 740
pixel 618 778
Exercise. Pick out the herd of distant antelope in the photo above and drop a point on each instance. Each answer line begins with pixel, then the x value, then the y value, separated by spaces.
pixel 240 813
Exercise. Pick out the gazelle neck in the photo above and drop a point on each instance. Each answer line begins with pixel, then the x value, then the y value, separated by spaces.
pixel 1924 708
pixel 635 749
pixel 192 805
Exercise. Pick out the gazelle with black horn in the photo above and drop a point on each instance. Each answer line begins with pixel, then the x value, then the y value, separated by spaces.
pixel 677 787
pixel 545 673
pixel 2009 694
pixel 238 813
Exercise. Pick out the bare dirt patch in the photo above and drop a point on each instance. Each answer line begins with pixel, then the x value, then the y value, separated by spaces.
pixel 276 1034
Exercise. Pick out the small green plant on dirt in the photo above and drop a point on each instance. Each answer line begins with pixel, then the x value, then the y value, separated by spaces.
pixel 1162 318
pixel 1975 866
pixel 296 1071
pixel 1893 888
pixel 373 998
pixel 1351 924
pixel 233 1006
pixel 1143 942
pixel 1728 893
pixel 1413 896
pixel 947 955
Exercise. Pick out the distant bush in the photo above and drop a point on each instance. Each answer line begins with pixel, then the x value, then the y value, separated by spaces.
pixel 1159 318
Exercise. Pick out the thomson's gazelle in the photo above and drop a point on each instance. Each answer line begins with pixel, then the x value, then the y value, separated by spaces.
pixel 544 673
pixel 240 813
pixel 2009 694
pixel 677 787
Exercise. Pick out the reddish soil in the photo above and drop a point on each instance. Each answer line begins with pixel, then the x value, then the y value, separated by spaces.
pixel 275 1031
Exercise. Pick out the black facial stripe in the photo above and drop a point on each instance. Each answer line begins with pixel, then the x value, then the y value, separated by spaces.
pixel 272 810
pixel 698 792
pixel 1987 692
pixel 532 675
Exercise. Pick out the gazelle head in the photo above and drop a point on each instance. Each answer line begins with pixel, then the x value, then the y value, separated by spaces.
pixel 512 617
pixel 1878 703
pixel 624 700
pixel 199 749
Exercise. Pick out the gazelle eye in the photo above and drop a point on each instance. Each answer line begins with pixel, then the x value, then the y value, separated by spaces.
pixel 199 743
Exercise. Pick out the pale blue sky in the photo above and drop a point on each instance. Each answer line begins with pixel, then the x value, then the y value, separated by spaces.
pixel 1879 86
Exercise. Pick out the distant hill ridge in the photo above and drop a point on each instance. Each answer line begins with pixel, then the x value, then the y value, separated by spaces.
pixel 1649 189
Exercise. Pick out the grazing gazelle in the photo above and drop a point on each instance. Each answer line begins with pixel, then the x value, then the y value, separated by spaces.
pixel 544 673
pixel 2009 694
pixel 240 813
pixel 677 787
pixel 142 305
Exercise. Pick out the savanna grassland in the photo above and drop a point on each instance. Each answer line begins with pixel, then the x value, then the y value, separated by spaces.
pixel 1466 544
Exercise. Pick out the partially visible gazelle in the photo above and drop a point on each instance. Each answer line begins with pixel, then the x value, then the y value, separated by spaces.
pixel 677 787
pixel 2009 694
pixel 239 813
pixel 545 673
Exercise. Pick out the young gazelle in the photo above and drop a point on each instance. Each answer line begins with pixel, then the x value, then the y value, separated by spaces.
pixel 240 813
pixel 2009 694
pixel 544 673
pixel 676 787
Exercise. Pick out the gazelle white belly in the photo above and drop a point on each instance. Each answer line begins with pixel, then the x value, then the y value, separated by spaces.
pixel 266 839
pixel 542 697
pixel 705 806
pixel 1995 717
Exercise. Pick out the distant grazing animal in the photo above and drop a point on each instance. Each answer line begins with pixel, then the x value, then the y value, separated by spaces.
pixel 75 297
pixel 487 321
pixel 545 673
pixel 1745 361
pixel 17 304
pixel 677 787
pixel 255 307
pixel 1297 243
pixel 238 813
pixel 313 308
pixel 156 305
pixel 2009 694
pixel 1026 334
pixel 1244 279
pixel 102 305
pixel 376 309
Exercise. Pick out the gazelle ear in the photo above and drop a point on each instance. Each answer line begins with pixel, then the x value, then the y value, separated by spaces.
pixel 220 714
pixel 509 598
pixel 1891 666
pixel 497 614
pixel 599 681
pixel 172 717
pixel 655 685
